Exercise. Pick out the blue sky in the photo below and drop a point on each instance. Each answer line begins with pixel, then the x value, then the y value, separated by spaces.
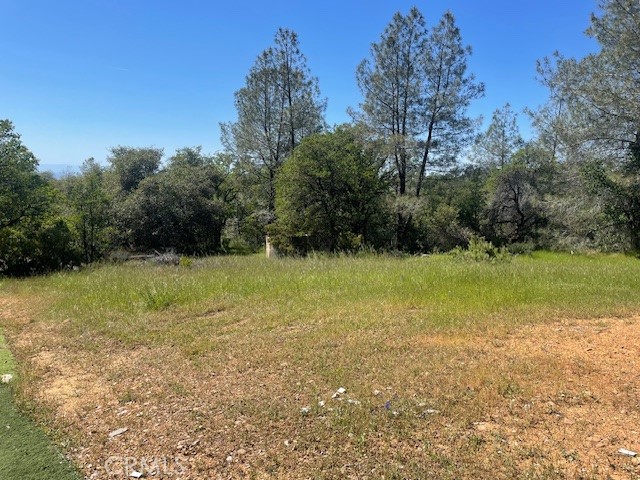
pixel 79 77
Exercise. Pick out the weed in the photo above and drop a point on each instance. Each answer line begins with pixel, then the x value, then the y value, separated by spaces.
pixel 158 297
pixel 481 250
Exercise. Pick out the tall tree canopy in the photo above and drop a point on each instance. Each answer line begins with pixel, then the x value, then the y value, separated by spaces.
pixel 416 90
pixel 391 83
pixel 278 106
pixel 599 123
pixel 600 92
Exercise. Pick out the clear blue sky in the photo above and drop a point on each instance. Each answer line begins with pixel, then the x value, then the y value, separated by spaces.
pixel 78 77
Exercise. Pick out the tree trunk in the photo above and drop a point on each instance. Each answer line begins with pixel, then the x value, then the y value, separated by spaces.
pixel 425 157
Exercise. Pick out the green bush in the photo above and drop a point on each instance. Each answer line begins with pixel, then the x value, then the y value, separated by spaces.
pixel 481 250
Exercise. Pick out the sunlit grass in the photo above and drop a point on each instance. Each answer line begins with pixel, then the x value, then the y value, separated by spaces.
pixel 142 303
pixel 287 332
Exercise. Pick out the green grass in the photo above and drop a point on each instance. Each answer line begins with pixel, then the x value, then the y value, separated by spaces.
pixel 25 451
pixel 150 304
pixel 271 336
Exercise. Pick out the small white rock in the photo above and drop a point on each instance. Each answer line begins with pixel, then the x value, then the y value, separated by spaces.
pixel 229 459
pixel 377 392
pixel 305 410
pixel 353 402
pixel 321 403
pixel 431 411
pixel 6 378
pixel 339 392
pixel 135 474
pixel 117 432
pixel 627 453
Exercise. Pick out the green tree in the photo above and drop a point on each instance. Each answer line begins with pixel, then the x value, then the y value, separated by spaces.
pixel 34 236
pixel 184 207
pixel 91 205
pixel 278 106
pixel 416 90
pixel 448 90
pixel 132 165
pixel 620 194
pixel 330 196
pixel 23 193
pixel 502 139
pixel 600 116
pixel 391 83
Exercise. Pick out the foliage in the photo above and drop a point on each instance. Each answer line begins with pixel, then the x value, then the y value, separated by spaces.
pixel 593 118
pixel 132 165
pixel 502 139
pixel 514 211
pixel 620 194
pixel 91 205
pixel 277 108
pixel 389 181
pixel 183 207
pixel 330 196
pixel 416 90
pixel 23 193
pixel 448 91
pixel 34 236
pixel 391 83
pixel 481 250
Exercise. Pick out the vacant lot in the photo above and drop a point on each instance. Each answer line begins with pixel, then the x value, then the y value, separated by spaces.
pixel 229 368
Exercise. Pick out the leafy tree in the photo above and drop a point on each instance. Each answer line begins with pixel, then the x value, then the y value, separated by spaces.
pixel 34 237
pixel 132 165
pixel 501 141
pixel 183 207
pixel 330 196
pixel 620 192
pixel 462 189
pixel 416 90
pixel 23 193
pixel 277 108
pixel 91 204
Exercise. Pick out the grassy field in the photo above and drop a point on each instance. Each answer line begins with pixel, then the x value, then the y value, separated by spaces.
pixel 228 368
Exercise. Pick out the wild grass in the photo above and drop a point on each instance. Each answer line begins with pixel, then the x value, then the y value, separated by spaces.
pixel 273 336
pixel 148 303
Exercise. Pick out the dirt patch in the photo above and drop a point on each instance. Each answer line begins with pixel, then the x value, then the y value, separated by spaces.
pixel 63 386
pixel 590 410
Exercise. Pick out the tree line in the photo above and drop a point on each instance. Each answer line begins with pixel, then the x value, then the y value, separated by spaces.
pixel 411 172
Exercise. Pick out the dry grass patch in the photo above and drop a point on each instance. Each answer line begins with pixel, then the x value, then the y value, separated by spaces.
pixel 550 401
